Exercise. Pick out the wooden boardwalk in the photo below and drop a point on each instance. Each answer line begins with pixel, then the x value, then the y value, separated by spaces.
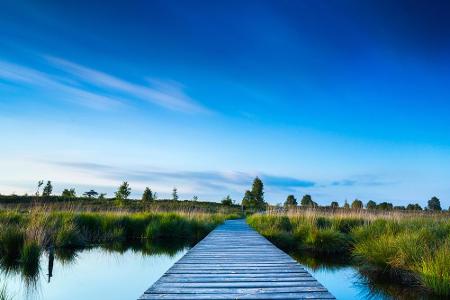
pixel 236 262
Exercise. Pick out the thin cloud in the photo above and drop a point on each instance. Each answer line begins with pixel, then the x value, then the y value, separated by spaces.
pixel 206 179
pixel 166 94
pixel 36 79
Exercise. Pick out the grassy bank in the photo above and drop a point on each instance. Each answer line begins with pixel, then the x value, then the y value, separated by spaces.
pixel 14 202
pixel 24 235
pixel 414 247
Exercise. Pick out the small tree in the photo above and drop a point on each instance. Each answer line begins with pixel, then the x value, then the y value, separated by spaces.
pixel 247 201
pixel 371 205
pixel 290 201
pixel 346 205
pixel 385 206
pixel 69 193
pixel 48 189
pixel 102 196
pixel 90 194
pixel 123 192
pixel 195 198
pixel 357 204
pixel 334 204
pixel 147 195
pixel 174 194
pixel 306 200
pixel 434 204
pixel 258 193
pixel 227 201
pixel 40 183
pixel 414 207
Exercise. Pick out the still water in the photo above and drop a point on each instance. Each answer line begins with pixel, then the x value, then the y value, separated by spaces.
pixel 347 281
pixel 125 273
pixel 91 274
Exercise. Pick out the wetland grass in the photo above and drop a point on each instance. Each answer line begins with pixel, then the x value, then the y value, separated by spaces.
pixel 416 247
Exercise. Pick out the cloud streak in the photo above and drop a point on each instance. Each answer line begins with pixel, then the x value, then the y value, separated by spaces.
pixel 205 179
pixel 96 89
pixel 165 94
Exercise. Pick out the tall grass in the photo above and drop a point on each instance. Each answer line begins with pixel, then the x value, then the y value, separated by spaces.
pixel 24 235
pixel 414 246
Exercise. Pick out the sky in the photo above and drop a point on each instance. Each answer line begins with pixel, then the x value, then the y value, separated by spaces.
pixel 337 99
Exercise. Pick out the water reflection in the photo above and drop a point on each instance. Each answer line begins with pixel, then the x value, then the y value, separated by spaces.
pixel 346 280
pixel 114 271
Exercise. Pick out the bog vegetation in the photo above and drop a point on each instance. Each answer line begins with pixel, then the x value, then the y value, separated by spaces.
pixel 25 235
pixel 414 246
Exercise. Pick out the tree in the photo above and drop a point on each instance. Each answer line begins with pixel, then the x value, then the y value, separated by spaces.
pixel 69 193
pixel 414 207
pixel 258 193
pixel 371 205
pixel 254 199
pixel 147 195
pixel 308 202
pixel 248 199
pixel 346 206
pixel 385 206
pixel 90 194
pixel 174 194
pixel 40 183
pixel 227 201
pixel 434 204
pixel 102 196
pixel 357 204
pixel 123 192
pixel 334 204
pixel 48 188
pixel 399 207
pixel 195 198
pixel 290 201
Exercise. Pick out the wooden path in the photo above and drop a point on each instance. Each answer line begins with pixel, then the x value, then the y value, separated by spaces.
pixel 236 262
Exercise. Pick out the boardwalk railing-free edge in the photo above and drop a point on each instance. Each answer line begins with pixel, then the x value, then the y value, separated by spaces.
pixel 236 262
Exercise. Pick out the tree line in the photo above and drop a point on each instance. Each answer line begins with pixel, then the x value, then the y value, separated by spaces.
pixel 123 193
pixel 434 204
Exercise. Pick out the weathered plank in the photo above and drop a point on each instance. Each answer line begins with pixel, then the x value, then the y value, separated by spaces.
pixel 235 262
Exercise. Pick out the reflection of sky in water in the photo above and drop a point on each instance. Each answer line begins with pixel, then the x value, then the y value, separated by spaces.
pixel 343 283
pixel 94 274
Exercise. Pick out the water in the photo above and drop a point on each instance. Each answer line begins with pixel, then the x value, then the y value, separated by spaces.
pixel 125 272
pixel 91 274
pixel 346 281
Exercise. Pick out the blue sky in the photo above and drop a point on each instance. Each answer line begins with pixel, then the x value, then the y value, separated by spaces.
pixel 338 99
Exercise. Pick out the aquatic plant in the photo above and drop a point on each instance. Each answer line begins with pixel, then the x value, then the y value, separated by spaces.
pixel 413 246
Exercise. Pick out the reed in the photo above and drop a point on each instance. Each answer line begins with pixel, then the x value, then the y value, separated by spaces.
pixel 414 245
pixel 24 235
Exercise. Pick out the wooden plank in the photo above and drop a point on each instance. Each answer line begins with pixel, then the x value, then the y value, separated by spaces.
pixel 235 262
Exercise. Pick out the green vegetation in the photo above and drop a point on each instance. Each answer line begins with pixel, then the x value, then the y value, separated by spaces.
pixel 290 201
pixel 175 194
pixel 254 200
pixel 123 192
pixel 412 245
pixel 24 235
pixel 148 195
pixel 227 201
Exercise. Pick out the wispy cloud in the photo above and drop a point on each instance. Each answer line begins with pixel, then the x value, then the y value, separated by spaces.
pixel 167 94
pixel 362 180
pixel 96 89
pixel 205 179
pixel 36 79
